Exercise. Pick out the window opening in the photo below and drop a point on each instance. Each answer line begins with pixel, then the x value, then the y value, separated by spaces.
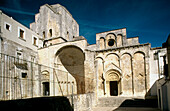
pixel 7 27
pixel 35 41
pixel 111 42
pixel 67 35
pixel 24 75
pixel 44 34
pixel 50 31
pixel 21 33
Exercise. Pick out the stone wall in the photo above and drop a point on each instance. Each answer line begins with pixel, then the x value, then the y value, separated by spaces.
pixel 129 65
pixel 73 58
pixel 83 102
pixel 11 31
pixel 25 79
pixel 55 21
pixel 114 38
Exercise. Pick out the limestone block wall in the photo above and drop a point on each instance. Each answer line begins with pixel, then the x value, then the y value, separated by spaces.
pixel 12 48
pixel 89 68
pixel 55 21
pixel 83 102
pixel 74 59
pixel 156 67
pixel 114 38
pixel 139 74
pixel 126 66
pixel 11 31
pixel 18 78
pixel 132 67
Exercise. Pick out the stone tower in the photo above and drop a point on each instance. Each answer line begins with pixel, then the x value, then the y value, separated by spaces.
pixel 55 24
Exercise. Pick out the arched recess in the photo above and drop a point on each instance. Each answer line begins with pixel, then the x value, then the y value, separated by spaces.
pixel 119 40
pixel 102 43
pixel 139 73
pixel 112 58
pixel 113 82
pixel 111 40
pixel 71 59
pixel 127 81
pixel 99 68
pixel 45 76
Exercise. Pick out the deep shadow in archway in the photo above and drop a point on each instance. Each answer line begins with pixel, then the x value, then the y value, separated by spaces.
pixel 72 59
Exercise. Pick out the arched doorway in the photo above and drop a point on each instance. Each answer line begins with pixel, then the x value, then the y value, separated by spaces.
pixel 45 80
pixel 113 83
pixel 71 59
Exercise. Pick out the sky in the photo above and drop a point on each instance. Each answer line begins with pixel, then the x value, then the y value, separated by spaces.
pixel 147 19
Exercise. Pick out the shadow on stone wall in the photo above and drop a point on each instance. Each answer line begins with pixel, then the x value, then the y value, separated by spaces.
pixel 152 92
pixel 140 103
pixel 150 100
pixel 37 104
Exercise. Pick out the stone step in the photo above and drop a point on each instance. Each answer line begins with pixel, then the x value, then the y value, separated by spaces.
pixel 126 102
pixel 111 101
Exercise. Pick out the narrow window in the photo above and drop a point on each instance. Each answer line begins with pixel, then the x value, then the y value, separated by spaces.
pixel 7 27
pixel 21 33
pixel 50 31
pixel 67 35
pixel 44 34
pixel 35 41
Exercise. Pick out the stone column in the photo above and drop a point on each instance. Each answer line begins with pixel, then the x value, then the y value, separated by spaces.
pixel 96 73
pixel 132 76
pixel 104 79
pixel 147 76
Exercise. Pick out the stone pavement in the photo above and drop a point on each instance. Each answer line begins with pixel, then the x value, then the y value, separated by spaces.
pixel 124 109
pixel 126 104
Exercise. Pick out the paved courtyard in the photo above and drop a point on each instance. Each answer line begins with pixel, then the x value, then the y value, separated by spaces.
pixel 124 109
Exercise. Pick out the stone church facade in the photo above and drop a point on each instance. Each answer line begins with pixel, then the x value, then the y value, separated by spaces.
pixel 66 63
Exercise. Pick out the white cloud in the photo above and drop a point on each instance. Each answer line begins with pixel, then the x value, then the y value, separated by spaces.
pixel 17 11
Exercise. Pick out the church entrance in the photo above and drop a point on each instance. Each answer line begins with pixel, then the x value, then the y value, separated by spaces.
pixel 113 83
pixel 113 88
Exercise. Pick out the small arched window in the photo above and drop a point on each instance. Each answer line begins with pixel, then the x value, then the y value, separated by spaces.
pixel 44 34
pixel 67 35
pixel 111 42
pixel 50 31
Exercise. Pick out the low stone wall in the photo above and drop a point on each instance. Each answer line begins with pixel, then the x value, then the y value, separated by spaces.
pixel 83 102
pixel 57 103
